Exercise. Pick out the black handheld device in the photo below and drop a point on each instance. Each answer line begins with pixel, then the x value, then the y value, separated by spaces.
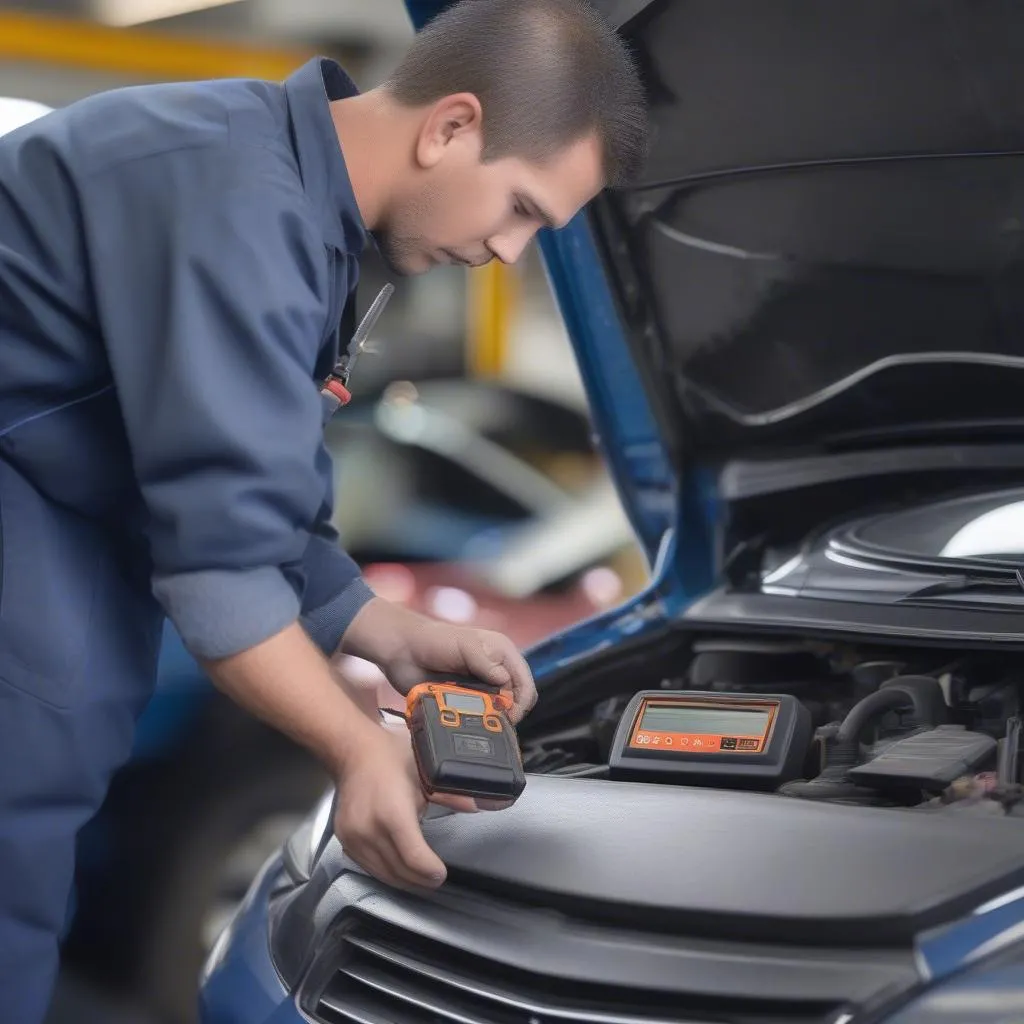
pixel 463 741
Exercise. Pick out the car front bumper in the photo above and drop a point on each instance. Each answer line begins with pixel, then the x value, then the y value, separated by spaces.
pixel 240 984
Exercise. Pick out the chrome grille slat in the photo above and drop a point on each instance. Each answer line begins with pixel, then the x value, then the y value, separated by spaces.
pixel 351 1011
pixel 380 982
pixel 497 993
pixel 385 974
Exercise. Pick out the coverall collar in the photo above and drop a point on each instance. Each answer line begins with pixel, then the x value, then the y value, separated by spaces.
pixel 325 177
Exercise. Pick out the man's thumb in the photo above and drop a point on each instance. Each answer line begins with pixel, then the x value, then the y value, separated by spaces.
pixel 487 670
pixel 499 676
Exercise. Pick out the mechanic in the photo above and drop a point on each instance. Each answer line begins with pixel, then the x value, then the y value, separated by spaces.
pixel 174 263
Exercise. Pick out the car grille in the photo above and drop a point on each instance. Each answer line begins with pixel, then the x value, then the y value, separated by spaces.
pixel 385 975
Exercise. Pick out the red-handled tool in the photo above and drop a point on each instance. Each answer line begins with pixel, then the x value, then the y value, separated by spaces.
pixel 335 387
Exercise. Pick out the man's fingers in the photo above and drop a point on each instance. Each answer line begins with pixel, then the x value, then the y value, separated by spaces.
pixel 493 805
pixel 412 856
pixel 493 658
pixel 462 804
pixel 370 860
pixel 524 688
pixel 364 845
pixel 398 873
pixel 396 854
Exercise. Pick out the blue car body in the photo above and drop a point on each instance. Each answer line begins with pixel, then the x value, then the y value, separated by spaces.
pixel 971 969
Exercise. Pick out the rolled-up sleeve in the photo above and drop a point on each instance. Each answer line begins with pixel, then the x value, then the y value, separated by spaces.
pixel 212 284
pixel 334 590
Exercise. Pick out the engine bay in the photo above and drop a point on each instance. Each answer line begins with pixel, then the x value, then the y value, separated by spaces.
pixel 810 720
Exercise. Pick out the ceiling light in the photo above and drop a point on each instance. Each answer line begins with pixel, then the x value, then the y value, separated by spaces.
pixel 124 13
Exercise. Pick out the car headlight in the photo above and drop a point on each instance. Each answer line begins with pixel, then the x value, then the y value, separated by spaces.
pixel 972 972
pixel 990 992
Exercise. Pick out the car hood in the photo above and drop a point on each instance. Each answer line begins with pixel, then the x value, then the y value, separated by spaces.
pixel 826 241
pixel 614 861
pixel 709 860
pixel 825 246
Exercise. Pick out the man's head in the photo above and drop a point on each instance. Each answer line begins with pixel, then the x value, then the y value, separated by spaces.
pixel 516 114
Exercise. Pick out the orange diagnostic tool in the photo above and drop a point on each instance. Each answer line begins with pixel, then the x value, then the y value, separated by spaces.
pixel 464 742
pixel 712 738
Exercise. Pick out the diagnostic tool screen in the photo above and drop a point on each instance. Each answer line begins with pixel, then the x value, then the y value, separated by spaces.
pixel 465 702
pixel 703 728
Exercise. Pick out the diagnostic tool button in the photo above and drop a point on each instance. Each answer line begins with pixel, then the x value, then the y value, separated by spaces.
pixel 449 718
pixel 492 723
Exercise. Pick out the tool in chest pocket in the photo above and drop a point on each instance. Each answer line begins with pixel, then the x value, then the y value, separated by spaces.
pixel 335 387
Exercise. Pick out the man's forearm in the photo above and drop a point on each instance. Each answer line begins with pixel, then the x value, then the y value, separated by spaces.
pixel 288 683
pixel 379 629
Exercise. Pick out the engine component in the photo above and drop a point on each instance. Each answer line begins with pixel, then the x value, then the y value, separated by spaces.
pixel 708 738
pixel 930 760
pixel 736 665
pixel 983 794
pixel 542 760
pixel 605 721
pixel 923 694
pixel 998 792
pixel 1009 755
pixel 871 675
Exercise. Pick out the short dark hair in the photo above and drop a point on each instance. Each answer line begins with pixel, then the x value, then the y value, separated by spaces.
pixel 546 72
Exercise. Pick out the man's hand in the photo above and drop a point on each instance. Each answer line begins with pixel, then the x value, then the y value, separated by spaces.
pixel 408 646
pixel 287 682
pixel 380 802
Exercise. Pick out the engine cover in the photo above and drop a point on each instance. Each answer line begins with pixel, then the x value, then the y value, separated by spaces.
pixel 731 864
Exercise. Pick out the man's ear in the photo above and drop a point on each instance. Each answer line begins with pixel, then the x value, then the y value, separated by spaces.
pixel 455 118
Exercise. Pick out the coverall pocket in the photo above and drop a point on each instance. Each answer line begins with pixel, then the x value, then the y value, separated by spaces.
pixel 50 568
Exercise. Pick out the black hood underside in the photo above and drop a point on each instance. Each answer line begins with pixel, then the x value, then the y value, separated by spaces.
pixel 825 247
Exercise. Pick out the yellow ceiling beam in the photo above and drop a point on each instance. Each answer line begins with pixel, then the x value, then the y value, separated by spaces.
pixel 491 309
pixel 137 53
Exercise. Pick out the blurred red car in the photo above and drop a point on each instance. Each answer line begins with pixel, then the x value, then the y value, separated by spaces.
pixel 457 594
pixel 480 504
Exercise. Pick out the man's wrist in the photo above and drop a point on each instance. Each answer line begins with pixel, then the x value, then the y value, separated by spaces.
pixel 355 743
pixel 313 709
pixel 379 632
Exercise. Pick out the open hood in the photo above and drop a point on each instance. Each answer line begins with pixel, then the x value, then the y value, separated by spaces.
pixel 825 247
pixel 826 243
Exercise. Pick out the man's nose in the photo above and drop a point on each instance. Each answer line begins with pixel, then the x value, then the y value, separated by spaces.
pixel 510 246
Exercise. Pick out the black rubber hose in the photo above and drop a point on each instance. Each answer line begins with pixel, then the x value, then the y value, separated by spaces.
pixel 922 693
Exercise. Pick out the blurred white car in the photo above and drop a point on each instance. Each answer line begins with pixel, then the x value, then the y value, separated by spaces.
pixel 16 112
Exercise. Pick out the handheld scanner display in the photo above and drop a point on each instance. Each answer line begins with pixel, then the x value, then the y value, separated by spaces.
pixel 463 741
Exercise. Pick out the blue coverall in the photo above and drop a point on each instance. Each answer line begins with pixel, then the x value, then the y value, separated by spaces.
pixel 175 261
